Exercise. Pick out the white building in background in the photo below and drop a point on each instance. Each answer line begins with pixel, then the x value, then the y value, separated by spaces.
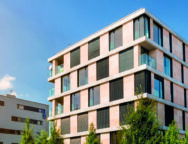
pixel 13 112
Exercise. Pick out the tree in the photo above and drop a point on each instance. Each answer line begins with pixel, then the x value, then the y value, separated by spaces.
pixel 143 126
pixel 42 139
pixel 92 137
pixel 55 135
pixel 27 134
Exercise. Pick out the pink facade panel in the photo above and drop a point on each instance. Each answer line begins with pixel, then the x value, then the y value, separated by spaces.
pixel 73 80
pixel 128 86
pixel 178 118
pixel 58 124
pixel 186 120
pixel 185 75
pixel 137 52
pixel 166 44
pixel 67 61
pixel 66 103
pixel 104 44
pixel 67 141
pixel 92 73
pixel 92 118
pixel 161 112
pixel 177 47
pixel 54 64
pixel 178 95
pixel 105 138
pixel 176 70
pixel 128 32
pixel 104 93
pixel 158 56
pixel 114 116
pixel 57 86
pixel 84 99
pixel 151 29
pixel 83 139
pixel 186 53
pixel 152 84
pixel 167 90
pixel 53 107
pixel 73 124
pixel 84 53
pixel 114 64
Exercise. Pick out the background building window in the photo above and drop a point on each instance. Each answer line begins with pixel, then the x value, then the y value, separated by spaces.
pixel 75 101
pixel 182 74
pixel 168 65
pixel 75 57
pixel 103 118
pixel 65 83
pixel 115 38
pixel 126 60
pixel 82 76
pixel 65 125
pixel 94 96
pixel 159 87
pixel 157 34
pixel 169 115
pixel 125 109
pixel 2 103
pixel 93 48
pixel 83 122
pixel 116 89
pixel 103 68
pixel 141 27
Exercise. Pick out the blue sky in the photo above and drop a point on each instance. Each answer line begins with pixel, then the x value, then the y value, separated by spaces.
pixel 31 31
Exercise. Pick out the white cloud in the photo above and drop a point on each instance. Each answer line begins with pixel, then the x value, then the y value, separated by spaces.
pixel 6 82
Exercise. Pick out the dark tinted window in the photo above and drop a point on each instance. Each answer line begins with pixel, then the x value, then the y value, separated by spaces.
pixel 102 68
pixel 116 89
pixel 115 38
pixel 94 96
pixel 183 119
pixel 65 83
pixel 172 91
pixel 65 125
pixel 75 101
pixel 82 76
pixel 76 140
pixel 125 109
pixel 170 42
pixel 169 115
pixel 159 86
pixel 103 118
pixel 93 48
pixel 83 122
pixel 2 103
pixel 167 65
pixel 182 74
pixel 75 57
pixel 184 54
pixel 157 34
pixel 185 98
pixel 115 137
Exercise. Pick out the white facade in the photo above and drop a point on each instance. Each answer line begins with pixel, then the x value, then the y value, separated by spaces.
pixel 11 117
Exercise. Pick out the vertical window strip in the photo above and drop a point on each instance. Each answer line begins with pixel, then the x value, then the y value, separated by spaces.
pixel 185 98
pixel 170 42
pixel 184 54
pixel 183 119
pixel 182 73
pixel 172 91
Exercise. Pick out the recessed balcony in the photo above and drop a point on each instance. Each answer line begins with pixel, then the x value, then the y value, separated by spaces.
pixel 51 92
pixel 59 69
pixel 146 59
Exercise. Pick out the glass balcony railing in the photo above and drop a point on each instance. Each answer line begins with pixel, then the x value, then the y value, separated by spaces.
pixel 50 112
pixel 50 71
pixel 59 69
pixel 59 109
pixel 51 92
pixel 146 59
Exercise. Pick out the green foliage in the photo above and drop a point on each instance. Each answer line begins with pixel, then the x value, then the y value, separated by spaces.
pixel 42 139
pixel 55 136
pixel 143 126
pixel 92 137
pixel 27 134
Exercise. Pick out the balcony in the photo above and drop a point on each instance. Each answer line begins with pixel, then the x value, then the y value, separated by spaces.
pixel 59 69
pixel 59 109
pixel 146 59
pixel 51 92
pixel 50 112
pixel 50 71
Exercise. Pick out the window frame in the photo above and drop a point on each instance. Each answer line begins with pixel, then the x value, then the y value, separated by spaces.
pixel 85 78
pixel 94 96
pixel 71 101
pixel 161 80
pixel 159 33
pixel 165 58
pixel 90 50
pixel 62 84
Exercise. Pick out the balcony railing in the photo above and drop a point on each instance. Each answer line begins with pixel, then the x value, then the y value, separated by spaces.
pixel 50 112
pixel 50 71
pixel 59 69
pixel 146 59
pixel 59 109
pixel 51 92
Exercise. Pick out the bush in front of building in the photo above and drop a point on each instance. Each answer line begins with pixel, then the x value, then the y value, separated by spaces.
pixel 92 137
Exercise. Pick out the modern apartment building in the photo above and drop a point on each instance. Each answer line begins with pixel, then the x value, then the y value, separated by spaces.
pixel 14 111
pixel 95 80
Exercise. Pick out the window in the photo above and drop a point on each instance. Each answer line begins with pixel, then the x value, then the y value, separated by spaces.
pixel 75 101
pixel 182 74
pixel 103 118
pixel 141 27
pixel 116 89
pixel 184 58
pixel 76 140
pixel 142 82
pixel 158 87
pixel 183 119
pixel 10 131
pixel 102 68
pixel 126 60
pixel 169 115
pixel 32 121
pixel 65 125
pixel 172 91
pixel 115 38
pixel 94 96
pixel 125 109
pixel 65 83
pixel 115 137
pixel 168 65
pixel 170 42
pixel 82 76
pixel 75 57
pixel 93 48
pixel 185 98
pixel 157 34
pixel 2 103
pixel 83 122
